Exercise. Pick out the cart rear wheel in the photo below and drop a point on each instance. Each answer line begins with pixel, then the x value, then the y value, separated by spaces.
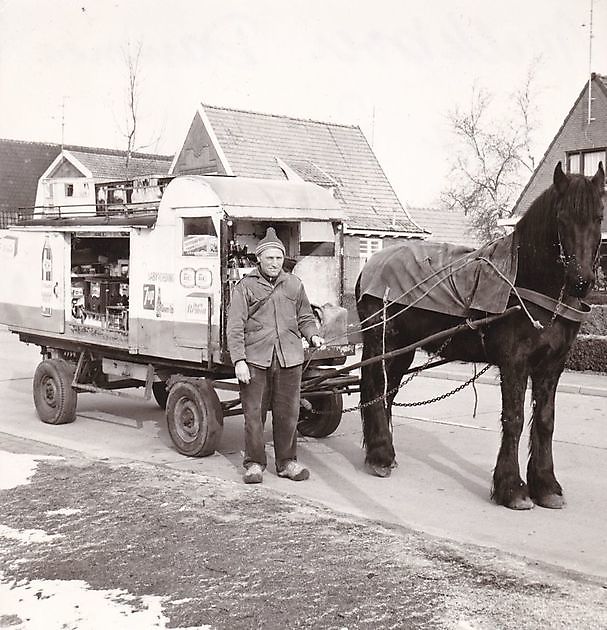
pixel 54 397
pixel 159 389
pixel 194 417
pixel 324 416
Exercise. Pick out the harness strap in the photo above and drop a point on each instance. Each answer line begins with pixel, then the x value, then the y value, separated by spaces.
pixel 554 306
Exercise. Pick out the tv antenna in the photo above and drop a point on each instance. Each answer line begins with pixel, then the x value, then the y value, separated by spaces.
pixel 590 36
pixel 63 121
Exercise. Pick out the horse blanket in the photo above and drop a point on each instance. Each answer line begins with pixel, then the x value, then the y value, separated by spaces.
pixel 443 277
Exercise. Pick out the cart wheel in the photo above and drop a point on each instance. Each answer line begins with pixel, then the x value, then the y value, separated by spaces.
pixel 194 417
pixel 323 418
pixel 159 389
pixel 54 397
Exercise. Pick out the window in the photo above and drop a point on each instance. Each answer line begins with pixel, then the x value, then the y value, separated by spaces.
pixel 574 163
pixel 368 247
pixel 591 162
pixel 317 239
pixel 69 190
pixel 199 237
pixel 586 162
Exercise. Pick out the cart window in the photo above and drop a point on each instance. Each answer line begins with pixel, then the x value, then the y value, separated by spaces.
pixel 199 237
pixel 317 239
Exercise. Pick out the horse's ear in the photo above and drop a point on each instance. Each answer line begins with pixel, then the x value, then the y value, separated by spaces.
pixel 560 180
pixel 599 179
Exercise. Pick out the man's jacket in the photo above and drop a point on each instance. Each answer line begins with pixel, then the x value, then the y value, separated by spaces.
pixel 266 316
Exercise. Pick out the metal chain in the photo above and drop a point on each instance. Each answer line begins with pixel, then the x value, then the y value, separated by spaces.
pixel 558 305
pixel 415 373
pixel 418 403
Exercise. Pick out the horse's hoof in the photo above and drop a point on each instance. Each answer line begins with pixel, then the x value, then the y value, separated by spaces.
pixel 521 503
pixel 552 501
pixel 380 471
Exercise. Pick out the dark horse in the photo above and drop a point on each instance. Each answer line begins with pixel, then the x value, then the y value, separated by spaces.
pixel 558 239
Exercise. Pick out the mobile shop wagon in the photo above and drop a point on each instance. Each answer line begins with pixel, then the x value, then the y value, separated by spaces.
pixel 136 295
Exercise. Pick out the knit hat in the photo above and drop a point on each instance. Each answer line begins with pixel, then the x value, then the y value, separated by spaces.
pixel 269 240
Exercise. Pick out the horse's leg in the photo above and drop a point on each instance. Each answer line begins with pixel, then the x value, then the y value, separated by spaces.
pixel 508 487
pixel 544 489
pixel 376 416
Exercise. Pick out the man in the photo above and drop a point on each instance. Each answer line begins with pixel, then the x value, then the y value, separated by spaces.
pixel 269 313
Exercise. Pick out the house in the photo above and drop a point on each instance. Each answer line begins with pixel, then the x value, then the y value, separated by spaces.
pixel 446 226
pixel 82 179
pixel 580 144
pixel 338 157
pixel 23 164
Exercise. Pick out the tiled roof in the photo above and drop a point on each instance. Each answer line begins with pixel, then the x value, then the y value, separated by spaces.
pixel 446 226
pixel 112 164
pixel 324 153
pixel 21 165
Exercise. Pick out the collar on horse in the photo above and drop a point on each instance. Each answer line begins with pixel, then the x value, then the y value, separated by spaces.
pixel 555 306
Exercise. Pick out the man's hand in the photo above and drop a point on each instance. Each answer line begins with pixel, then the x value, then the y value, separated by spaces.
pixel 242 372
pixel 317 341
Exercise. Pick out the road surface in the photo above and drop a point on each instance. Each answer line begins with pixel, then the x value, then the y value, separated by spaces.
pixel 445 454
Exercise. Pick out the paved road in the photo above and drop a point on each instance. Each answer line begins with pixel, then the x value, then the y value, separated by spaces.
pixel 446 458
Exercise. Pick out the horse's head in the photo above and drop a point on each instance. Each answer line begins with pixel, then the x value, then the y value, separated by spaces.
pixel 579 214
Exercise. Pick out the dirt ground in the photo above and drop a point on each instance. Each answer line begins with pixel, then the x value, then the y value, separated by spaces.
pixel 223 555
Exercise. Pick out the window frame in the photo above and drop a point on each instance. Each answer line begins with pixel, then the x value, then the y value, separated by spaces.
pixel 373 244
pixel 580 154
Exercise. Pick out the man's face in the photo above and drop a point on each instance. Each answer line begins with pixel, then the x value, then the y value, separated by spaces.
pixel 270 261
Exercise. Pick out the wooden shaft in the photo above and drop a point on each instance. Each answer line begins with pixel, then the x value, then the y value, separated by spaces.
pixel 413 346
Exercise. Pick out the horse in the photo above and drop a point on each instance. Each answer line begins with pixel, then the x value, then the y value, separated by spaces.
pixel 556 243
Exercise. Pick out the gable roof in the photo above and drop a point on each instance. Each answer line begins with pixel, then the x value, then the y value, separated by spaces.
pixel 541 177
pixel 445 226
pixel 107 164
pixel 331 155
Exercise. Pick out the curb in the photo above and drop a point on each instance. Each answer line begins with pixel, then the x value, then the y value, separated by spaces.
pixel 492 378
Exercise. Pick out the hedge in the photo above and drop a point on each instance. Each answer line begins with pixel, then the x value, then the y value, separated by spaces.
pixel 596 324
pixel 588 352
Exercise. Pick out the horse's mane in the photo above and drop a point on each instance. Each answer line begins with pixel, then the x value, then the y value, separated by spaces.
pixel 538 224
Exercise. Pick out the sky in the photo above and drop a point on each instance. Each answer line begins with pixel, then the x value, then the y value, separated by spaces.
pixel 395 68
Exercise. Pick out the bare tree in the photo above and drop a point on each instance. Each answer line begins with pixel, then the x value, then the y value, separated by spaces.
pixel 132 60
pixel 493 158
pixel 133 119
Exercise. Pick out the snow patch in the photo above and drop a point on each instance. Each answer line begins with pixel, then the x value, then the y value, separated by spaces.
pixel 72 605
pixel 17 469
pixel 63 512
pixel 27 535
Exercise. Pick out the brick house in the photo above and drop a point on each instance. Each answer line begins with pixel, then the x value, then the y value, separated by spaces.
pixel 580 144
pixel 338 157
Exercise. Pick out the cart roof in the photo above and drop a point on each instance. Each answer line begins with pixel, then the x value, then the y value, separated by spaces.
pixel 245 197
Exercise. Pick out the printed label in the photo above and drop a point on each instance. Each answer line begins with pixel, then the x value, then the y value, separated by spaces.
pixel 196 307
pixel 187 277
pixel 149 297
